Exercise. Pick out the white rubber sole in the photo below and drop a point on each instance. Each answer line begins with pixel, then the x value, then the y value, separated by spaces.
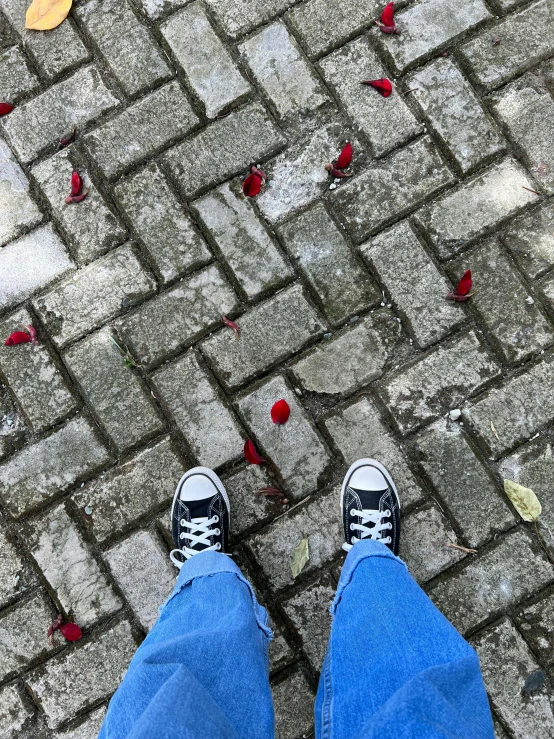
pixel 212 476
pixel 362 463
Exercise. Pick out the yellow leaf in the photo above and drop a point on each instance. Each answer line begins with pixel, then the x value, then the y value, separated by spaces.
pixel 524 500
pixel 300 556
pixel 43 15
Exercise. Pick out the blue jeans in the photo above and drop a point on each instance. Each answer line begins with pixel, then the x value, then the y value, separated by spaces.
pixel 395 667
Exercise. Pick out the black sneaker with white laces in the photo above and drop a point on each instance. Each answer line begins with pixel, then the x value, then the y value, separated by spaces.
pixel 200 515
pixel 370 505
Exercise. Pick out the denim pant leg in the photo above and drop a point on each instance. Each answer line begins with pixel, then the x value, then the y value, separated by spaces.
pixel 395 667
pixel 203 670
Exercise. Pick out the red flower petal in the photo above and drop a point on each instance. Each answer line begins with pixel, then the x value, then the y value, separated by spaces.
pixel 252 185
pixel 66 140
pixel 464 285
pixel 258 172
pixel 280 412
pixel 383 86
pixel 387 16
pixel 336 172
pixel 33 334
pixel 76 183
pixel 5 108
pixel 232 325
pixel 345 157
pixel 71 631
pixel 18 337
pixel 250 453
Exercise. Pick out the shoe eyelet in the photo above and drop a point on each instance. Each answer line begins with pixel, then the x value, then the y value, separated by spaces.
pixel 389 513
pixel 182 536
pixel 183 522
pixel 216 519
pixel 351 527
pixel 217 532
pixel 353 512
pixel 218 545
pixel 354 540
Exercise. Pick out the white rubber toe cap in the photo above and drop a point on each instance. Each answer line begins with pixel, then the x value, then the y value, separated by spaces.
pixel 368 478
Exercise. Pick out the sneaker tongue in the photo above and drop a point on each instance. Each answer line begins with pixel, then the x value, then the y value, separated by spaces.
pixel 370 499
pixel 199 508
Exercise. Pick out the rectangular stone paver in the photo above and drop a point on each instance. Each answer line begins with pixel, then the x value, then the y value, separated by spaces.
pixel 282 71
pixel 120 400
pixel 491 198
pixel 224 148
pixel 520 47
pixel 295 447
pixel 269 333
pixel 142 130
pixel 546 285
pixel 390 188
pixel 240 16
pixel 22 635
pixel 16 78
pixel 18 211
pixel 15 576
pixel 517 409
pixel 51 466
pixel 59 686
pixel 455 114
pixel 94 295
pixel 358 431
pixel 127 47
pixel 159 220
pixel 387 122
pixel 91 227
pixel 88 729
pixel 535 623
pixel 438 381
pixel 149 582
pixel 397 256
pixel 248 508
pixel 243 240
pixel 33 377
pixel 209 68
pixel 13 712
pixel 516 324
pixel 43 121
pixel 490 584
pixel 293 699
pixel 210 428
pixel 463 482
pixel 130 491
pixel 182 314
pixel 352 358
pixel 530 238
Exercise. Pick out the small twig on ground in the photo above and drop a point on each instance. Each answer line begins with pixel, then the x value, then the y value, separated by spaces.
pixel 462 549
pixel 531 190
pixel 286 513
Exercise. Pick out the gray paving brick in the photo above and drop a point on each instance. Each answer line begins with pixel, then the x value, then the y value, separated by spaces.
pixel 494 582
pixel 94 294
pixel 282 71
pixel 526 716
pixel 309 613
pixel 517 409
pixel 340 283
pixel 455 114
pixel 70 568
pixel 13 712
pixel 391 188
pixel 491 198
pixel 319 519
pixel 243 240
pixel 397 255
pixel 438 381
pixel 249 509
pixel 118 397
pixel 210 428
pixel 546 285
pixel 523 107
pixel 530 238
pixel 535 623
pixel 88 729
pixel 51 466
pixel 179 316
pixel 463 482
pixel 322 25
pixel 520 47
pixel 15 575
pixel 224 148
pixel 352 358
pixel 358 431
pixel 499 732
pixel 161 223
pixel 293 699
pixel 16 78
pixel 130 491
pixel 22 632
pixel 208 66
pixel 269 333
pixel 91 227
pixel 239 16
pixel 387 122
pixel 154 9
pixel 59 685
pixel 295 447
pixel 42 121
pixel 428 26
pixel 146 127
pixel 18 211
pixel 150 580
pixel 134 58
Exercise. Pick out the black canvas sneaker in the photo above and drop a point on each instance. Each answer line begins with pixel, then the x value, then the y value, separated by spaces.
pixel 200 515
pixel 370 506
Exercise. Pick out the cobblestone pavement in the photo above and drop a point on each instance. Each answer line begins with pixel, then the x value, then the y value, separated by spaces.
pixel 339 293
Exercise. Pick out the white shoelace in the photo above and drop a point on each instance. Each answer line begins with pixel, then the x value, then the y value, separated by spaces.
pixel 199 533
pixel 375 532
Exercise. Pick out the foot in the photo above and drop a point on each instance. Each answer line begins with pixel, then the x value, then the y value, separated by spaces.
pixel 199 515
pixel 370 505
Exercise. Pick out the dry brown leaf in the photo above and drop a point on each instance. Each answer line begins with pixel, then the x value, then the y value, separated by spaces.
pixel 43 15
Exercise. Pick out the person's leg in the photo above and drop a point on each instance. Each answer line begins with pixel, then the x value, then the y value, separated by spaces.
pixel 202 672
pixel 395 667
